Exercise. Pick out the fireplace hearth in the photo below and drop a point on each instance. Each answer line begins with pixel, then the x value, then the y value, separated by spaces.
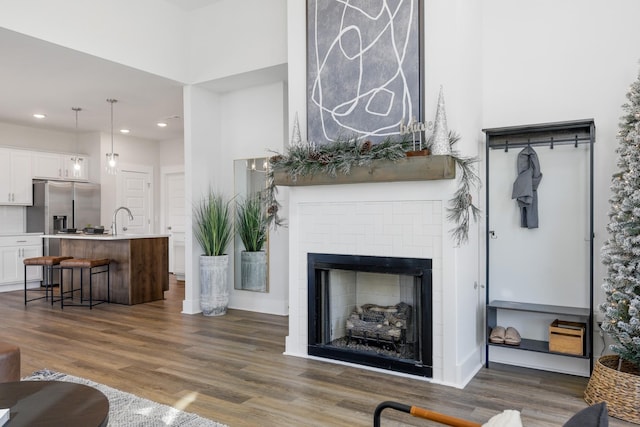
pixel 372 311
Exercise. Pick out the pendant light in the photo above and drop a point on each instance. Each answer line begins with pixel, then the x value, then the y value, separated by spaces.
pixel 77 160
pixel 112 158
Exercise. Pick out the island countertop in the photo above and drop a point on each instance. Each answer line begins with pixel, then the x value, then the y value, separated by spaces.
pixel 139 270
pixel 102 236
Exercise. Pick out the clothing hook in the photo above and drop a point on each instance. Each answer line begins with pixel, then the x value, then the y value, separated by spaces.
pixel 576 144
pixel 551 146
pixel 506 146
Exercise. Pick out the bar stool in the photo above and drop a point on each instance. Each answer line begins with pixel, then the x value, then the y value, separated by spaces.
pixel 94 266
pixel 48 264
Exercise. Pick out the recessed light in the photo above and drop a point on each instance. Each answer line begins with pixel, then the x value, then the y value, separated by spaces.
pixel 124 131
pixel 39 116
pixel 162 124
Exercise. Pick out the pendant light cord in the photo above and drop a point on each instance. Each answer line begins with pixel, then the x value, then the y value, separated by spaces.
pixel 76 159
pixel 110 100
pixel 76 109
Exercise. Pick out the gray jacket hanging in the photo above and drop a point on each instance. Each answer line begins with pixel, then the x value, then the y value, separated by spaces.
pixel 526 185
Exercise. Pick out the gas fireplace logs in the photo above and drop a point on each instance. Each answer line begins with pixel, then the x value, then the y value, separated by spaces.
pixel 375 322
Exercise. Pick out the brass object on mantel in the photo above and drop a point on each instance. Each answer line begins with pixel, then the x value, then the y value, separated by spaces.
pixel 420 168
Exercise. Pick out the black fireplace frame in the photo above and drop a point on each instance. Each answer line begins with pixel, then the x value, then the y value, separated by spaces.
pixel 419 268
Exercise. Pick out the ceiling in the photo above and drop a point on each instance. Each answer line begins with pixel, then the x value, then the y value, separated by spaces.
pixel 40 77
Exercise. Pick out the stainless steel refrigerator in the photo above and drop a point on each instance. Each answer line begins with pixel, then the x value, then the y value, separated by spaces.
pixel 59 206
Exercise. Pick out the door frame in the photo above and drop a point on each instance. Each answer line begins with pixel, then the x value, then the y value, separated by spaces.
pixel 165 171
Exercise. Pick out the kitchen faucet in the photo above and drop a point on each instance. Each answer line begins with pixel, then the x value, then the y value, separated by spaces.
pixel 114 226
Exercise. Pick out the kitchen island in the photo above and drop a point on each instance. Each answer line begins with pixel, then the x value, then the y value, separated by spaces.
pixel 139 269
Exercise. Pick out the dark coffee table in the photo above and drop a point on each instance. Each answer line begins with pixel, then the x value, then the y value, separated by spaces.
pixel 53 403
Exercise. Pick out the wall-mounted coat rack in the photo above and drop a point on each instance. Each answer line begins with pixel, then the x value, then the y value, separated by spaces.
pixel 551 134
pixel 506 301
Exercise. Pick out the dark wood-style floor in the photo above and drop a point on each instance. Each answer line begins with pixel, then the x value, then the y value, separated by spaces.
pixel 231 369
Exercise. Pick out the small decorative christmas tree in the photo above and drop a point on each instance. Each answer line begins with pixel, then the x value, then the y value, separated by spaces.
pixel 621 252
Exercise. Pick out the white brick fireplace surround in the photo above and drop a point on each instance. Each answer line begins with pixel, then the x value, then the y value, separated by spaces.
pixel 393 219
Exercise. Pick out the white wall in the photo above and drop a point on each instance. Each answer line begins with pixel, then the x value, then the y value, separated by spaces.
pixel 203 148
pixel 252 127
pixel 34 138
pixel 132 151
pixel 452 59
pixel 222 128
pixel 171 152
pixel 549 61
pixel 225 38
pixel 507 63
pixel 149 35
pixel 501 62
pixel 232 37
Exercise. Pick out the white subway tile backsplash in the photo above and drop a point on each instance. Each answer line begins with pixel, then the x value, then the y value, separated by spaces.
pixel 12 219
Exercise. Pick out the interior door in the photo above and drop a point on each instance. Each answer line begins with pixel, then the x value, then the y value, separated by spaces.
pixel 134 190
pixel 173 214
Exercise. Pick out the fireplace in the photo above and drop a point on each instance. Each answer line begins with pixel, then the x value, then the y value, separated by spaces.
pixel 388 220
pixel 371 310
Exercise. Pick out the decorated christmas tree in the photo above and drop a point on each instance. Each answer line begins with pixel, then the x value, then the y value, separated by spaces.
pixel 621 252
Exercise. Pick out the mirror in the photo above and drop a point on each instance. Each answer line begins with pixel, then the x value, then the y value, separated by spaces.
pixel 251 269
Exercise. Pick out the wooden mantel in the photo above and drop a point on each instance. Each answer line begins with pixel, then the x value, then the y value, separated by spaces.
pixel 418 168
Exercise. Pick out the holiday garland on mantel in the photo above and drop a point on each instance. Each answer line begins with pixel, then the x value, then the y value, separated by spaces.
pixel 341 156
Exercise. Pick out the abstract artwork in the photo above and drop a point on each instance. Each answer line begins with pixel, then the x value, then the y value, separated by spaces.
pixel 363 68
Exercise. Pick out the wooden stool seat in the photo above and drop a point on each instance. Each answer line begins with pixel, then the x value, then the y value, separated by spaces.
pixel 94 266
pixel 9 362
pixel 45 260
pixel 48 263
pixel 84 262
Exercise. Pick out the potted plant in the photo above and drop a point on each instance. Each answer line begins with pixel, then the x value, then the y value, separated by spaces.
pixel 251 226
pixel 213 231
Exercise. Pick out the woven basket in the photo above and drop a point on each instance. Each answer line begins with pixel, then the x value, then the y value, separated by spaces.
pixel 620 389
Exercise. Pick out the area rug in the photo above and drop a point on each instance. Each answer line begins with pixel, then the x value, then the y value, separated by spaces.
pixel 129 410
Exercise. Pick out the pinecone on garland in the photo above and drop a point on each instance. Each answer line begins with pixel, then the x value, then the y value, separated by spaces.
pixel 275 159
pixel 325 159
pixel 273 209
pixel 366 147
pixel 314 155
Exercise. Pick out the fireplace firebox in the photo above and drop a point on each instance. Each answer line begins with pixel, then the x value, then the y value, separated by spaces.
pixel 371 311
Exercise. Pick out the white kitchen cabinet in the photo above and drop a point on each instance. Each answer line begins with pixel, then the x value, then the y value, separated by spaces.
pixel 47 165
pixel 15 177
pixel 13 250
pixel 58 166
pixel 9 264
